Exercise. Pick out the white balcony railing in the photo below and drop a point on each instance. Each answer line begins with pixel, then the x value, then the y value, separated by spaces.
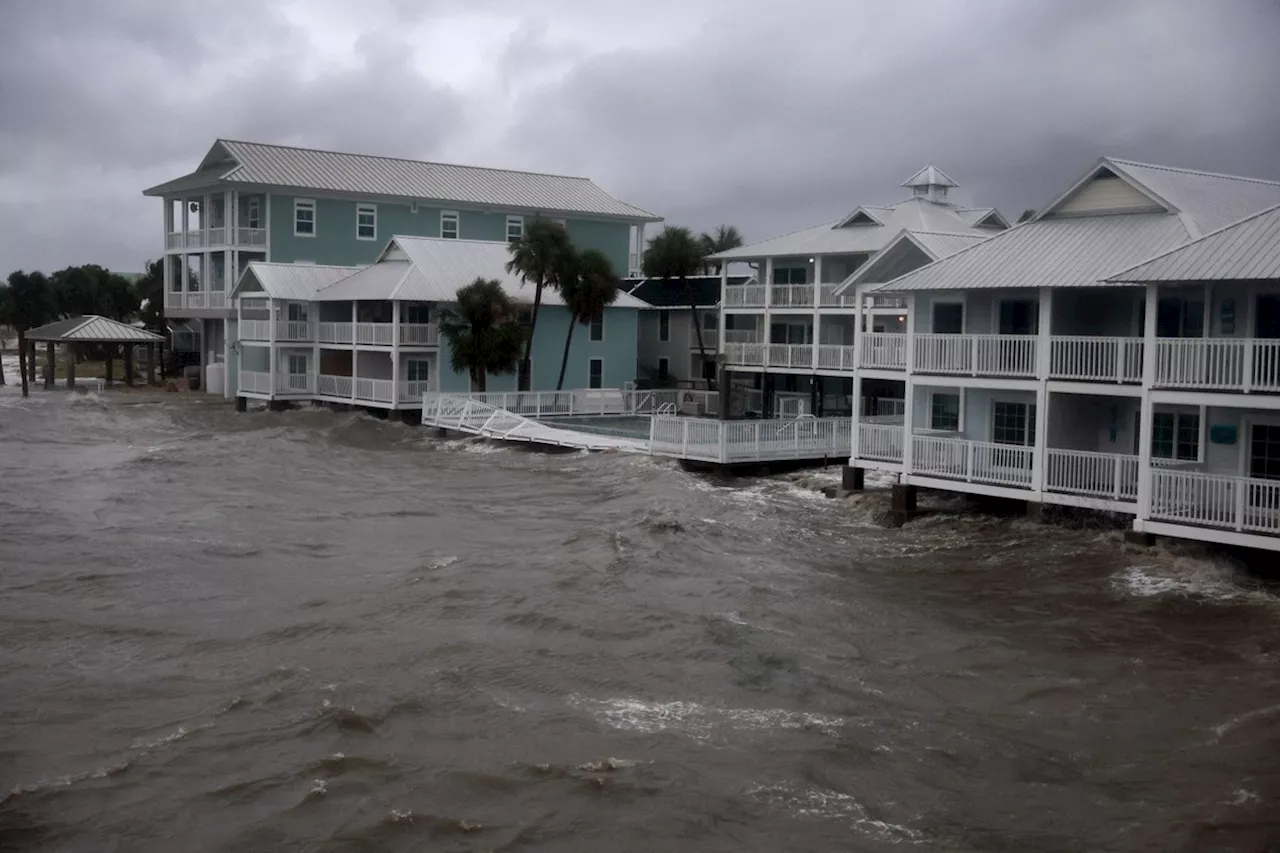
pixel 419 334
pixel 194 239
pixel 835 357
pixel 1209 500
pixel 411 391
pixel 754 354
pixel 1231 364
pixel 736 441
pixel 255 330
pixel 1095 358
pixel 376 390
pixel 976 355
pixel 173 301
pixel 255 382
pixel 294 383
pixel 883 350
pixel 1101 475
pixel 790 355
pixel 744 296
pixel 251 236
pixel 898 302
pixel 791 296
pixel 293 330
pixel 880 441
pixel 333 333
pixel 741 336
pixel 374 334
pixel 972 461
pixel 827 297
pixel 217 236
pixel 333 386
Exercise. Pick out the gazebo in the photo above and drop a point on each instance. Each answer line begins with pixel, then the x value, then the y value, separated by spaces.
pixel 73 332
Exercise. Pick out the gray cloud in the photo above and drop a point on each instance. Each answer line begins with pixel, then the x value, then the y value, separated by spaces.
pixel 770 116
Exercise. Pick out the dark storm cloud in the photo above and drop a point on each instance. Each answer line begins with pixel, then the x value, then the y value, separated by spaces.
pixel 772 116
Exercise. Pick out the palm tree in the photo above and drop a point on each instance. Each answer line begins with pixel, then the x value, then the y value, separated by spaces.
pixel 588 285
pixel 535 257
pixel 28 305
pixel 676 254
pixel 726 237
pixel 482 332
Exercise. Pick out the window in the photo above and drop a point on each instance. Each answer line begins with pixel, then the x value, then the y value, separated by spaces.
pixel 515 228
pixel 790 275
pixel 944 412
pixel 1179 318
pixel 449 225
pixel 366 222
pixel 595 373
pixel 597 327
pixel 253 213
pixel 948 318
pixel 304 217
pixel 416 314
pixel 664 325
pixel 297 312
pixel 1018 317
pixel 1264 452
pixel 1013 423
pixel 664 368
pixel 297 365
pixel 1175 435
pixel 418 370
pixel 524 375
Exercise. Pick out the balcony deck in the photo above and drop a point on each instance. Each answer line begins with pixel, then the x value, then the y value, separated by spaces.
pixel 372 335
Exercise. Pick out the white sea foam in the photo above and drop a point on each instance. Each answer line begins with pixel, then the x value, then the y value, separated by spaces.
pixel 1192 578
pixel 701 722
pixel 831 805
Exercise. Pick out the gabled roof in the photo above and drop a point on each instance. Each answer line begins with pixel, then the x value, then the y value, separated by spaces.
pixel 431 269
pixel 288 281
pixel 838 237
pixel 985 217
pixel 661 293
pixel 1245 250
pixel 907 248
pixel 930 176
pixel 230 162
pixel 1068 252
pixel 861 216
pixel 91 328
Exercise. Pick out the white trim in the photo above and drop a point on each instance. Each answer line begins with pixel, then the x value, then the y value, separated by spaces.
pixel 453 216
pixel 362 208
pixel 589 361
pixel 1030 437
pixel 252 212
pixel 514 219
pixel 300 204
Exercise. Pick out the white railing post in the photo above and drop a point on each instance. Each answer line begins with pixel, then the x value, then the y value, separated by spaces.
pixel 968 460
pixel 1249 346
pixel 684 438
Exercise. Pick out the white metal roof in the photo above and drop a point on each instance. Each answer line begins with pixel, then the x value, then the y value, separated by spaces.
pixel 91 328
pixel 934 245
pixel 1066 252
pixel 930 176
pixel 432 269
pixel 237 162
pixel 1247 249
pixel 914 214
pixel 290 281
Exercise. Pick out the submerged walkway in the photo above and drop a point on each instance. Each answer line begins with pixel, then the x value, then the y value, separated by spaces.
pixel 670 435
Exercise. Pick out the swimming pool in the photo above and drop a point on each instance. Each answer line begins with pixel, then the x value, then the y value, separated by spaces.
pixel 625 426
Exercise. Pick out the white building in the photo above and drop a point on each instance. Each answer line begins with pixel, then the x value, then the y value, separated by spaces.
pixel 1120 351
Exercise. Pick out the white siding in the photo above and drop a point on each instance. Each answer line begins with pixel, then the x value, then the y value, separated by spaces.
pixel 1105 195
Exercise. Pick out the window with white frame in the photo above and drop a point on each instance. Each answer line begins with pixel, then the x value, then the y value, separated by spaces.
pixel 944 412
pixel 515 228
pixel 595 373
pixel 253 213
pixel 597 327
pixel 297 365
pixel 416 314
pixel 664 368
pixel 664 325
pixel 366 222
pixel 1013 423
pixel 1175 435
pixel 297 312
pixel 304 217
pixel 449 224
pixel 418 370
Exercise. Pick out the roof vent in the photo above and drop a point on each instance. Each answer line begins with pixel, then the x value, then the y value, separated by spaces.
pixel 930 183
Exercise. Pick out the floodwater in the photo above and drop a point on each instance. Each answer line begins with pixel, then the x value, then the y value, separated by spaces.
pixel 322 632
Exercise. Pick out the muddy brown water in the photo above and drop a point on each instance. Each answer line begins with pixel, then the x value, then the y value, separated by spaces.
pixel 318 631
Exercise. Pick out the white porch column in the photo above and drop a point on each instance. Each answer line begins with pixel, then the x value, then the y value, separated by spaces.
pixel 817 301
pixel 186 219
pixel 768 282
pixel 909 404
pixel 1044 339
pixel 395 353
pixel 355 351
pixel 857 415
pixel 272 312
pixel 1148 408
pixel 859 300
pixel 724 293
pixel 1039 459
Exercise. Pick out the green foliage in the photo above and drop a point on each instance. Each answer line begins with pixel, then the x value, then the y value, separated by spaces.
pixel 27 301
pixel 674 253
pixel 726 237
pixel 483 333
pixel 538 256
pixel 588 285
pixel 91 289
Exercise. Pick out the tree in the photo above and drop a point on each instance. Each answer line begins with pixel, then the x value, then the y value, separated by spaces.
pixel 674 253
pixel 91 289
pixel 588 285
pixel 27 306
pixel 483 333
pixel 726 237
pixel 536 256
pixel 149 291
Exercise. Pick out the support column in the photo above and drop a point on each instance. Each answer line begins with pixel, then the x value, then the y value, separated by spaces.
pixel 107 370
pixel 355 350
pixel 857 416
pixel 242 404
pixel 909 403
pixel 1039 458
pixel 271 348
pixel 724 403
pixel 31 362
pixel 49 361
pixel 1044 334
pixel 852 479
pixel 395 352
pixel 817 301
pixel 1148 408
pixel 128 365
pixel 72 353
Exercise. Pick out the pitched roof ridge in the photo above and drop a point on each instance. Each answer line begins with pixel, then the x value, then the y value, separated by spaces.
pixel 308 266
pixel 1191 242
pixel 1184 171
pixel 400 159
pixel 946 233
pixel 446 239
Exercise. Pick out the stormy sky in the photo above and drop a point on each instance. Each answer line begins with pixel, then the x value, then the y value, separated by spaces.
pixel 768 115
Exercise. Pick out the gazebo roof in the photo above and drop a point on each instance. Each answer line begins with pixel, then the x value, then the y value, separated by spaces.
pixel 91 328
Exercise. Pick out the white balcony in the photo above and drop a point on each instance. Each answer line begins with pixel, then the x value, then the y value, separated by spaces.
pixel 1218 364
pixel 419 334
pixel 1100 475
pixel 334 386
pixel 295 383
pixel 972 461
pixel 791 296
pixel 251 236
pixel 881 442
pixel 374 390
pixel 1095 359
pixel 741 336
pixel 976 355
pixel 294 331
pixel 753 440
pixel 790 355
pixel 750 354
pixel 1241 504
pixel 195 300
pixel 411 392
pixel 334 333
pixel 375 334
pixel 885 351
pixel 744 296
pixel 255 382
pixel 835 357
pixel 215 237
pixel 255 330
pixel 828 299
